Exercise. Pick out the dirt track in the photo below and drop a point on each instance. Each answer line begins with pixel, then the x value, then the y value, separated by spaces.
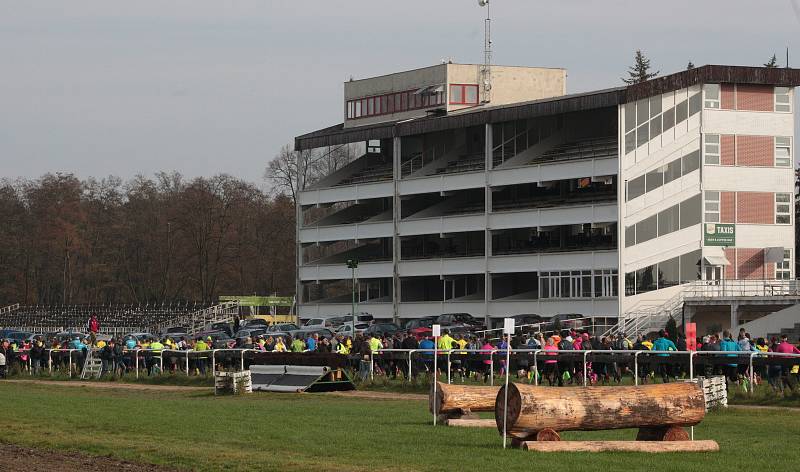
pixel 25 458
pixel 114 385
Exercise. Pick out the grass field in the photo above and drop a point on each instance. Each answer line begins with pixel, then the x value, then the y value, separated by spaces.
pixel 197 431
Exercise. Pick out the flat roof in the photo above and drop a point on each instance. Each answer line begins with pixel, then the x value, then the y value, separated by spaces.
pixel 337 134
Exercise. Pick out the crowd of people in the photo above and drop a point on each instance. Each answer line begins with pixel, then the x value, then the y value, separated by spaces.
pixel 468 354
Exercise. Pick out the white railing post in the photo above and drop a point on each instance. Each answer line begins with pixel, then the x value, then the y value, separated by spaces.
pixel 69 353
pixel 636 367
pixel 491 367
pixel 585 374
pixel 691 365
pixel 371 366
pixel 536 367
pixel 187 363
pixel 410 352
pixel 752 374
pixel 448 367
pixel 213 362
pixel 50 361
pixel 242 360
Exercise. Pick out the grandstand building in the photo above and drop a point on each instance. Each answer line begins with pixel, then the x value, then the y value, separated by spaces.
pixel 611 203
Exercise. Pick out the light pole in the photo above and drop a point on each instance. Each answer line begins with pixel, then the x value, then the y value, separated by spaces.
pixel 352 264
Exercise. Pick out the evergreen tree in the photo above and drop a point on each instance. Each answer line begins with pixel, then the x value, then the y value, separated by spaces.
pixel 640 71
pixel 690 65
pixel 672 329
pixel 773 62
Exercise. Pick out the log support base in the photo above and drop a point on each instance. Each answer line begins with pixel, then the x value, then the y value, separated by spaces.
pixel 618 446
pixel 470 423
pixel 666 433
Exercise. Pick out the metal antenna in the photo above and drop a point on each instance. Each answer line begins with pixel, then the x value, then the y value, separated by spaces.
pixel 486 73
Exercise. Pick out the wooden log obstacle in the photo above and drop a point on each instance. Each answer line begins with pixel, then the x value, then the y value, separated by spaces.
pixel 457 405
pixel 536 415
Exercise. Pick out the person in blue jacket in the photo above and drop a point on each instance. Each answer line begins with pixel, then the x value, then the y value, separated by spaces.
pixel 728 344
pixel 427 343
pixel 662 343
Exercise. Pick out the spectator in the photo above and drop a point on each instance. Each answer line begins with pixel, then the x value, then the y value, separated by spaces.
pixel 311 342
pixel 200 361
pixel 728 344
pixel 298 345
pixel 662 343
pixel 551 364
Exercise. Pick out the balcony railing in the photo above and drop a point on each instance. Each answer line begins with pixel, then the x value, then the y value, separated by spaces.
pixel 707 289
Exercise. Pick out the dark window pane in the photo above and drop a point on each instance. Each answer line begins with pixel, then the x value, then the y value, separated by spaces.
pixel 630 142
pixel 690 266
pixel 669 119
pixel 690 212
pixel 655 127
pixel 636 187
pixel 645 282
pixel 691 162
pixel 695 103
pixel 668 220
pixel 642 135
pixel 668 274
pixel 630 116
pixel 655 106
pixel 681 111
pixel 655 179
pixel 630 283
pixel 673 171
pixel 647 229
pixel 642 112
pixel 630 236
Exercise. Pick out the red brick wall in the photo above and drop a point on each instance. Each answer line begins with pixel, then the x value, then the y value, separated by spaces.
pixel 727 207
pixel 727 97
pixel 727 150
pixel 755 97
pixel 755 151
pixel 730 270
pixel 749 264
pixel 755 207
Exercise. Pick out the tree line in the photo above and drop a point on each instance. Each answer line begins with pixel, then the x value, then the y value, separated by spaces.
pixel 144 240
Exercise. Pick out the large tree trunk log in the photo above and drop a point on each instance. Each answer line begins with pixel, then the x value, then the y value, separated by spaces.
pixel 470 423
pixel 532 409
pixel 461 399
pixel 626 446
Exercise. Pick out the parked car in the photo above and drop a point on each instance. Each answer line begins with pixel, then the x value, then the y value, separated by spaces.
pixel 424 322
pixel 347 329
pixel 219 339
pixel 304 333
pixel 255 323
pixel 338 321
pixel 223 326
pixel 317 323
pixel 140 336
pixel 565 321
pixel 175 332
pixel 380 328
pixel 528 323
pixel 245 333
pixel 449 320
pixel 18 336
pixel 66 336
pixel 284 327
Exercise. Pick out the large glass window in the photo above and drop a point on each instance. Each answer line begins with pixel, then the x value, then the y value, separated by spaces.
pixel 690 266
pixel 655 179
pixel 647 229
pixel 630 235
pixel 783 102
pixel 691 162
pixel 456 94
pixel 783 269
pixel 712 207
pixel 783 208
pixel 642 135
pixel 673 171
pixel 690 212
pixel 695 102
pixel 783 151
pixel 642 111
pixel 711 154
pixel 712 92
pixel 669 273
pixel 645 282
pixel 636 187
pixel 669 119
pixel 668 220
pixel 681 112
pixel 462 94
pixel 630 117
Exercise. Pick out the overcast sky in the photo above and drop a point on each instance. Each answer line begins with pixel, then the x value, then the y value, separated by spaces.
pixel 106 87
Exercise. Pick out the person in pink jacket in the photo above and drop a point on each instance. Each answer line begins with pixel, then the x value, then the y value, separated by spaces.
pixel 486 350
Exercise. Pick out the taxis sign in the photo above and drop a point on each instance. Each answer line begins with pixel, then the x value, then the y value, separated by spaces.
pixel 719 234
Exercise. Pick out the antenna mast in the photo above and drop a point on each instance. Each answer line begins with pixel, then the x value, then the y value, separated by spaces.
pixel 486 73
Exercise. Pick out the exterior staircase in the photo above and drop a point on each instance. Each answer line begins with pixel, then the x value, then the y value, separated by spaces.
pixel 195 322
pixel 642 320
pixel 793 333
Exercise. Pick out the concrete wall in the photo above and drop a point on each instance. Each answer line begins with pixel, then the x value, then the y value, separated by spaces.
pixel 774 322
pixel 512 84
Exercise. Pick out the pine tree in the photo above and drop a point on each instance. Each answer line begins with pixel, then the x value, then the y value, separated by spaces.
pixel 773 62
pixel 672 329
pixel 640 71
pixel 690 66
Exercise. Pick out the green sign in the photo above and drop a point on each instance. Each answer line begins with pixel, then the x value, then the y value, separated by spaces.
pixel 719 234
pixel 259 301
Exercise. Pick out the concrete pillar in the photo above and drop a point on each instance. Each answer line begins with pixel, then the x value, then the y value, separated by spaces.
pixel 734 316
pixel 396 155
pixel 487 234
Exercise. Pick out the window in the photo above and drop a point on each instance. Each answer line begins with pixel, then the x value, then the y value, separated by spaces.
pixel 669 119
pixel 783 151
pixel 712 92
pixel 695 102
pixel 668 220
pixel 647 229
pixel 645 282
pixel 691 162
pixel 712 207
pixel 630 117
pixel 350 107
pixel 782 100
pixel 783 208
pixel 690 266
pixel 681 112
pixel 605 283
pixel 636 187
pixel 630 141
pixel 783 270
pixel 673 171
pixel 690 212
pixel 642 136
pixel 711 149
pixel 461 94
pixel 630 235
pixel 642 111
pixel 655 178
pixel 668 273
